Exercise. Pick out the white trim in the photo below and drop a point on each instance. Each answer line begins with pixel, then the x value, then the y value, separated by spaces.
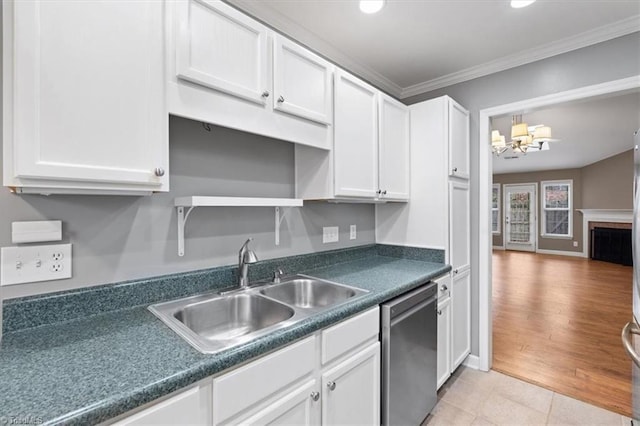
pixel 484 192
pixel 498 247
pixel 472 361
pixel 543 209
pixel 561 252
pixel 601 215
pixel 587 38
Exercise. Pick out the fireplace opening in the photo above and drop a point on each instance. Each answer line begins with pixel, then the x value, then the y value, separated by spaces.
pixel 611 245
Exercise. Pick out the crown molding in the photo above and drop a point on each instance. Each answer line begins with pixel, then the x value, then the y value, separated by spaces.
pixel 598 35
pixel 280 23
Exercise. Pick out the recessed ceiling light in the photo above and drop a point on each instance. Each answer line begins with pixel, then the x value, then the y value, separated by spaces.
pixel 371 6
pixel 517 4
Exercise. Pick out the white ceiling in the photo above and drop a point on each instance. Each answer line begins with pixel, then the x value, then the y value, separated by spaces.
pixel 413 46
pixel 589 131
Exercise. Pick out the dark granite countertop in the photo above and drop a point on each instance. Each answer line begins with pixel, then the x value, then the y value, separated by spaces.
pixel 89 369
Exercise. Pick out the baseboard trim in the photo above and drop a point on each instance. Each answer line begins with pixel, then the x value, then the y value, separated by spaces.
pixel 472 361
pixel 561 253
pixel 498 247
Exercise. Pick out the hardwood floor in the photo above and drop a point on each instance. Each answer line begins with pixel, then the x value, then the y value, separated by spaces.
pixel 557 323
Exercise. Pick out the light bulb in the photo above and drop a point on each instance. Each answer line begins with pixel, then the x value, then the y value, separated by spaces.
pixel 371 6
pixel 517 4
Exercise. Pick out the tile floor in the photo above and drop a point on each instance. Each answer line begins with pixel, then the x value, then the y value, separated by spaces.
pixel 474 397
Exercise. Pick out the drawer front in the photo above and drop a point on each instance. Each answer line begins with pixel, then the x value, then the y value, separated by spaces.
pixel 444 286
pixel 240 389
pixel 191 407
pixel 349 334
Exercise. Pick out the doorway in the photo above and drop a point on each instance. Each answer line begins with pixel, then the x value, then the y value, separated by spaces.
pixel 483 234
pixel 520 217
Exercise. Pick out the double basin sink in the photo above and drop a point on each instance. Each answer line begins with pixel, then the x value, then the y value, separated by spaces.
pixel 214 322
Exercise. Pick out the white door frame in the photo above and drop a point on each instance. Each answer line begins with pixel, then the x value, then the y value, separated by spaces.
pixel 534 211
pixel 484 192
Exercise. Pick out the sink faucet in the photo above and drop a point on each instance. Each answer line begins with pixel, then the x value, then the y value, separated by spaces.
pixel 245 258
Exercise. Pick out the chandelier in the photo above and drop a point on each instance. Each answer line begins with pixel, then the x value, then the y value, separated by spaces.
pixel 523 137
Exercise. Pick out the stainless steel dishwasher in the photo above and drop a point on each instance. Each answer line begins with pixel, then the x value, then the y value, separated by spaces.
pixel 409 356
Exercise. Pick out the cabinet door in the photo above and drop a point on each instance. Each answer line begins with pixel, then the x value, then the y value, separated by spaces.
pixel 459 226
pixel 458 141
pixel 351 390
pixel 355 137
pixel 191 407
pixel 444 341
pixel 87 102
pixel 300 407
pixel 393 150
pixel 220 48
pixel 460 318
pixel 302 82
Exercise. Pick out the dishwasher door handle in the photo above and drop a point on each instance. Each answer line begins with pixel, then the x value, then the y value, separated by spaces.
pixel 627 341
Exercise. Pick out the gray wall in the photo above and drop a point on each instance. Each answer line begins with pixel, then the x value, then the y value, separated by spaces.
pixel 119 237
pixel 561 244
pixel 608 184
pixel 611 60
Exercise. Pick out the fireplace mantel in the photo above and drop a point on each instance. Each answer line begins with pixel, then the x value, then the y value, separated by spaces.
pixel 601 215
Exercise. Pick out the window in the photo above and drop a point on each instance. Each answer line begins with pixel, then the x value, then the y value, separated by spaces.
pixel 495 208
pixel 557 208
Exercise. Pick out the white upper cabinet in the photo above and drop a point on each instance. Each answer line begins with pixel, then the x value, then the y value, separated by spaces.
pixel 355 137
pixel 84 98
pixel 394 173
pixel 223 49
pixel 228 69
pixel 302 82
pixel 458 141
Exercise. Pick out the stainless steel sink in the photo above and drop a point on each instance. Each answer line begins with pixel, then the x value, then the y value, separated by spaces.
pixel 310 293
pixel 232 317
pixel 213 322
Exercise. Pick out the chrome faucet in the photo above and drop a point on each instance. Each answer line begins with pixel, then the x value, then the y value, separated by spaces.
pixel 245 258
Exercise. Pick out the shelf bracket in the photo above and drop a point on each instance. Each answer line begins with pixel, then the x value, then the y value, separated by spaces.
pixel 281 212
pixel 182 221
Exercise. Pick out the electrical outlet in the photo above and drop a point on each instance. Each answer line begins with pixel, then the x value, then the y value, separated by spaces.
pixel 575 244
pixel 35 263
pixel 352 232
pixel 330 234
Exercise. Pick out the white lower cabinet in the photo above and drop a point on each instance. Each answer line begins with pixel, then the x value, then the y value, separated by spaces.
pixel 300 407
pixel 331 378
pixel 460 317
pixel 444 340
pixel 190 407
pixel 351 390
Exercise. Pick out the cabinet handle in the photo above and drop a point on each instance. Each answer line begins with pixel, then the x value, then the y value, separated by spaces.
pixel 265 94
pixel 315 396
pixel 455 271
pixel 379 191
pixel 331 385
pixel 444 287
pixel 439 312
pixel 159 171
pixel 281 99
pixel 384 192
pixel 454 170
